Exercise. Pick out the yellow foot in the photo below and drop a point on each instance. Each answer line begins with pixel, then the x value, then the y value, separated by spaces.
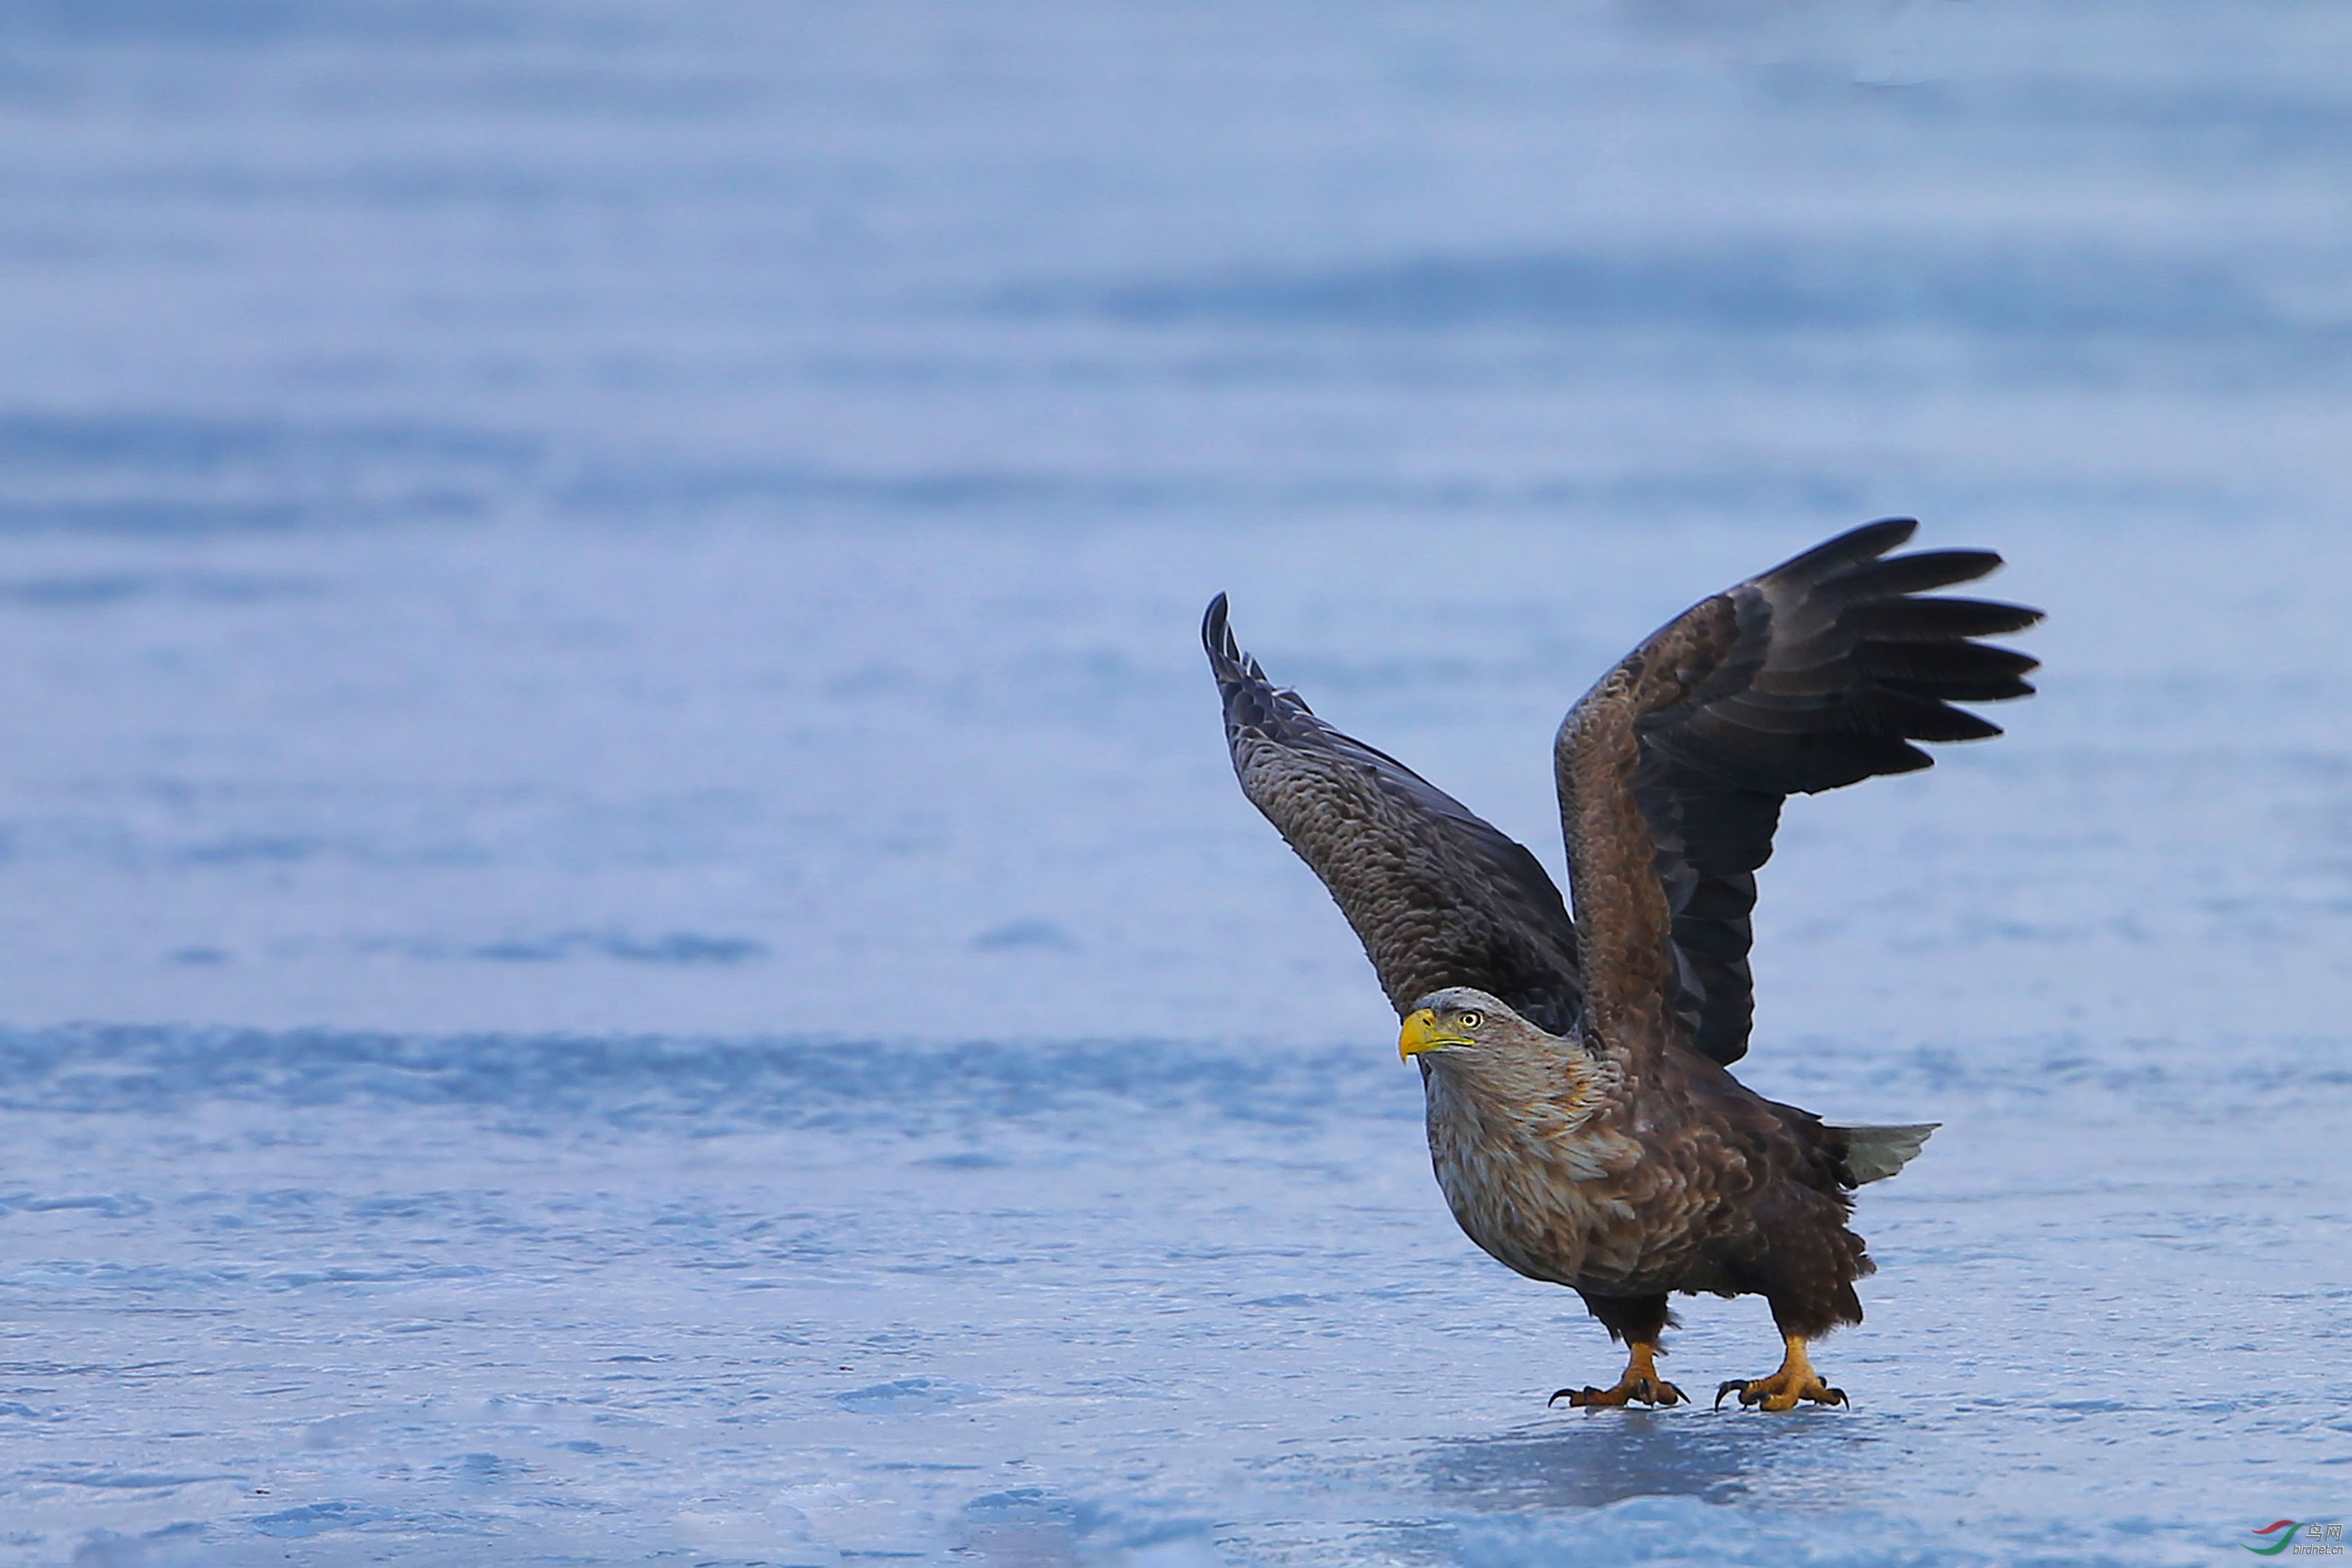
pixel 1785 1389
pixel 1640 1382
pixel 1648 1390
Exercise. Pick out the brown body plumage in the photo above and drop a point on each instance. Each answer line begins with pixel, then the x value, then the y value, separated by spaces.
pixel 1581 1120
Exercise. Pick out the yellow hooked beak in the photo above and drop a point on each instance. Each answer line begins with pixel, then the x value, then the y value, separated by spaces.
pixel 1420 1034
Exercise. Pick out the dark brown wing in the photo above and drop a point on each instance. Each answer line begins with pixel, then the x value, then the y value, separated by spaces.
pixel 1817 674
pixel 1438 896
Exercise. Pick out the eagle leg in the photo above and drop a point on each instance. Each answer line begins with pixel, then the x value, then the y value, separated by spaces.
pixel 1795 1381
pixel 1640 1382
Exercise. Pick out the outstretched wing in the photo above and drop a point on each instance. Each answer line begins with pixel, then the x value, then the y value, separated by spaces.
pixel 1438 896
pixel 1817 674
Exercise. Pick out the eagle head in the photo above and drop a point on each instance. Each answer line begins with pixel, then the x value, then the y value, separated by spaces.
pixel 1457 1019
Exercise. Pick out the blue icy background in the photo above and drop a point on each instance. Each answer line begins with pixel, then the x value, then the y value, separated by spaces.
pixel 623 931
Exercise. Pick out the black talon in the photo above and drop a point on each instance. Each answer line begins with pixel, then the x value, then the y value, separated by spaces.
pixel 1738 1382
pixel 1559 1395
pixel 1837 1396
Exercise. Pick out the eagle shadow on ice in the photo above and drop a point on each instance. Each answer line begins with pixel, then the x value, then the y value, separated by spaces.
pixel 1578 1464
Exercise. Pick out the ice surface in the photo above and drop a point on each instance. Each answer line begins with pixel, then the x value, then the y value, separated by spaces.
pixel 501 1299
pixel 626 936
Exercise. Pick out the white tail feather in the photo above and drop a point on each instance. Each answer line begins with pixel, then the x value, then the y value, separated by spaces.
pixel 1875 1153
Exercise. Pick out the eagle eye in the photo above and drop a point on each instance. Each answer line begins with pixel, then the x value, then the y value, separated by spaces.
pixel 1469 1020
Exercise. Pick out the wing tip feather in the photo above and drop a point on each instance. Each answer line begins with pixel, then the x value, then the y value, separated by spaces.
pixel 1226 662
pixel 1854 547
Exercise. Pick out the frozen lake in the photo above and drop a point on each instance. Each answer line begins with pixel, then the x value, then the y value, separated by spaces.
pixel 625 933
